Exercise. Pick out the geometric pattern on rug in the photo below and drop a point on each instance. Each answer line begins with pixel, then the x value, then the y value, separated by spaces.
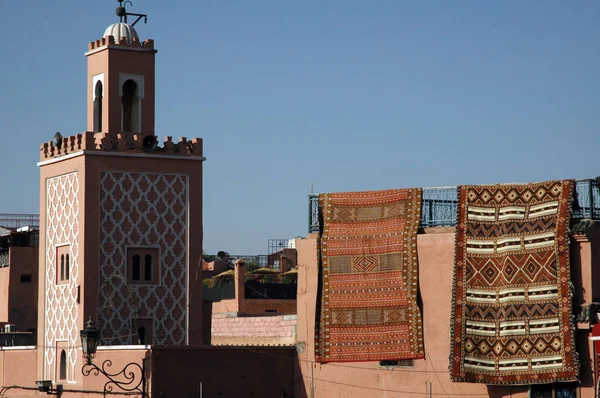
pixel 511 304
pixel 367 301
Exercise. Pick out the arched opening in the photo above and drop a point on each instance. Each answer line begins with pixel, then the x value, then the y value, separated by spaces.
pixel 67 267
pixel 98 107
pixel 63 365
pixel 141 335
pixel 130 107
pixel 148 267
pixel 62 267
pixel 135 268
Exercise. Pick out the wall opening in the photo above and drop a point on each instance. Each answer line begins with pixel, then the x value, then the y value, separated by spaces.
pixel 63 365
pixel 143 273
pixel 67 267
pixel 130 107
pixel 98 107
pixel 135 268
pixel 148 267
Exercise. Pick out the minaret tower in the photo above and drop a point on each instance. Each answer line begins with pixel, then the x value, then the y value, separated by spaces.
pixel 121 79
pixel 120 217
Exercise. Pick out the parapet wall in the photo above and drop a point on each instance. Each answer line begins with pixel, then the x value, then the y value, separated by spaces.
pixel 118 142
pixel 110 41
pixel 231 329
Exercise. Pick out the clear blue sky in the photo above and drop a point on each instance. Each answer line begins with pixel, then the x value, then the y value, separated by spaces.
pixel 348 95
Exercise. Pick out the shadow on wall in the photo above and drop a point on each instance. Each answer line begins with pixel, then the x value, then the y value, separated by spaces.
pixel 226 372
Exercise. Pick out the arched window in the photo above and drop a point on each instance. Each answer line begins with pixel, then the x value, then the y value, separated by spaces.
pixel 62 267
pixel 63 365
pixel 141 335
pixel 98 107
pixel 130 108
pixel 67 268
pixel 135 268
pixel 148 267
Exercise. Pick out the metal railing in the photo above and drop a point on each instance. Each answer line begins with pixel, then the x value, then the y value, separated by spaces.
pixel 439 205
pixel 19 220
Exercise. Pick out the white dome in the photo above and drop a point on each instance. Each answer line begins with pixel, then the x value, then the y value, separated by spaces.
pixel 120 29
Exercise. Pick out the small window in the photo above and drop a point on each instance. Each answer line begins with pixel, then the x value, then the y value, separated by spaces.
pixel 25 278
pixel 136 268
pixel 148 267
pixel 397 363
pixel 63 264
pixel 558 390
pixel 63 365
pixel 141 335
pixel 98 107
pixel 143 331
pixel 146 272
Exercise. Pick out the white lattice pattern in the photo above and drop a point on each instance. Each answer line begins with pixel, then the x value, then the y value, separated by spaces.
pixel 62 228
pixel 143 209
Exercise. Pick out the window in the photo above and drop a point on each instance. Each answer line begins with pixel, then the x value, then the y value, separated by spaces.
pixel 146 272
pixel 25 278
pixel 397 363
pixel 143 331
pixel 558 390
pixel 63 365
pixel 98 107
pixel 130 107
pixel 136 271
pixel 63 264
pixel 148 267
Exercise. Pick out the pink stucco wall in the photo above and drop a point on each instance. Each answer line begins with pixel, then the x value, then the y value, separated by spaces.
pixel 430 375
pixel 18 300
pixel 17 366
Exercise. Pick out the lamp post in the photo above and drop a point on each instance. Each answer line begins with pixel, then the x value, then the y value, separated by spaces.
pixel 132 378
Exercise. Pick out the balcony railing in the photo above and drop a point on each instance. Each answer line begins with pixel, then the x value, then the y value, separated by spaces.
pixel 19 220
pixel 439 205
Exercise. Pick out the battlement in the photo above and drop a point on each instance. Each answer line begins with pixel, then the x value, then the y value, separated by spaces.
pixel 119 142
pixel 110 41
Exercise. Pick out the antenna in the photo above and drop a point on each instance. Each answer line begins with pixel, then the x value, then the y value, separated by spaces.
pixel 311 188
pixel 122 13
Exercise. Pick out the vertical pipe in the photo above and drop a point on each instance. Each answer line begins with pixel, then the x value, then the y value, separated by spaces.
pixel 430 392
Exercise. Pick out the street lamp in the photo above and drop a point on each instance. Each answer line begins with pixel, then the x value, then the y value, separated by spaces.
pixel 126 379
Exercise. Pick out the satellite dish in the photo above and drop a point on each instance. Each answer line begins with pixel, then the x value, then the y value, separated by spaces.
pixel 57 140
pixel 149 143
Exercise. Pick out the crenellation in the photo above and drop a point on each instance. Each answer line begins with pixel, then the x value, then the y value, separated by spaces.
pixel 119 142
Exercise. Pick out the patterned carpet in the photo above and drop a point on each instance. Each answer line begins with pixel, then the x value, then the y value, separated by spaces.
pixel 367 306
pixel 511 303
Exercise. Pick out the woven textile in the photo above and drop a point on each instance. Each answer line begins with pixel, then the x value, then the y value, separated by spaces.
pixel 367 308
pixel 512 316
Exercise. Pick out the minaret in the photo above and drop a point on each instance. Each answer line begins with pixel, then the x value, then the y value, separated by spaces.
pixel 121 76
pixel 120 218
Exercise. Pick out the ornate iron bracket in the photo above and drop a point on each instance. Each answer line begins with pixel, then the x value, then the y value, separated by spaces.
pixel 132 378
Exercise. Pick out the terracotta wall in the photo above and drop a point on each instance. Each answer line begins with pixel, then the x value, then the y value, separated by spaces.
pixel 430 375
pixel 230 329
pixel 196 372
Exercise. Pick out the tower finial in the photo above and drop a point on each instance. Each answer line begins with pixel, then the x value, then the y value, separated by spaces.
pixel 122 13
